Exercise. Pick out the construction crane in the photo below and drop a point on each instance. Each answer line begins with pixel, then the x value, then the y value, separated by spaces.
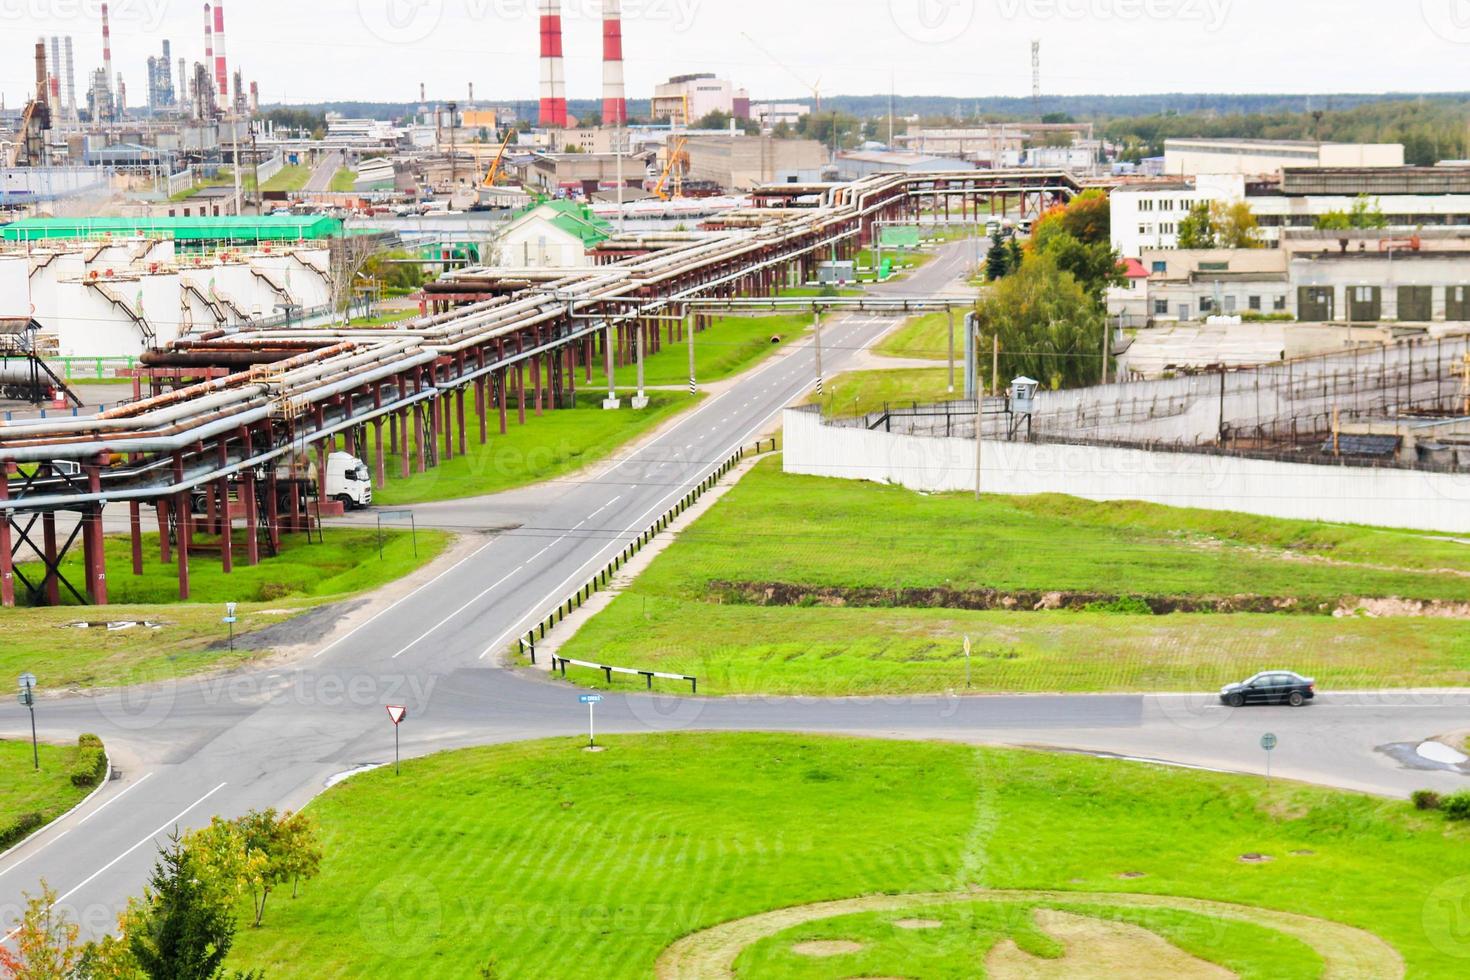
pixel 673 170
pixel 814 87
pixel 494 173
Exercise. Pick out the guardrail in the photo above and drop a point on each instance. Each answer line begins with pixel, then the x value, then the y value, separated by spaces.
pixel 527 643
pixel 562 663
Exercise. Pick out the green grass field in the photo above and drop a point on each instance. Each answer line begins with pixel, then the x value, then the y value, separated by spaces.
pixel 833 537
pixel 733 344
pixel 546 448
pixel 926 338
pixel 23 790
pixel 292 177
pixel 863 392
pixel 538 860
pixel 173 638
pixel 343 180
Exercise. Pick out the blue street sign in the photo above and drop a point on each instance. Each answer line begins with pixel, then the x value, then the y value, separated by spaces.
pixel 591 698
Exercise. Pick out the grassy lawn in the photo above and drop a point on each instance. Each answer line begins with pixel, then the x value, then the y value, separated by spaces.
pixel 343 180
pixel 832 538
pixel 23 790
pixel 538 860
pixel 545 448
pixel 385 319
pixel 292 177
pixel 731 345
pixel 926 338
pixel 173 638
pixel 862 392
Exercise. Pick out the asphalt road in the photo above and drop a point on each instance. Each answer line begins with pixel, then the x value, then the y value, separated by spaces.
pixel 194 748
pixel 321 178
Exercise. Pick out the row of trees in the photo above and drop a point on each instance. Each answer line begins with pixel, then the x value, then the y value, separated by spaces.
pixel 1046 306
pixel 183 925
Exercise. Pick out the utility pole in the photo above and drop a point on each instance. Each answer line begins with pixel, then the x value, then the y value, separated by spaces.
pixel 1107 348
pixel 235 146
pixel 622 222
pixel 817 330
pixel 640 401
pixel 608 339
pixel 979 429
pixel 689 333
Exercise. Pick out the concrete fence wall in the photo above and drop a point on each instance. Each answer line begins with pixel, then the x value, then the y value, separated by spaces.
pixel 936 464
pixel 270 168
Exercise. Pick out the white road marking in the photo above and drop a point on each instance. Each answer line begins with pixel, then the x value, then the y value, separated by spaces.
pixel 605 506
pixel 109 865
pixel 400 602
pixel 462 608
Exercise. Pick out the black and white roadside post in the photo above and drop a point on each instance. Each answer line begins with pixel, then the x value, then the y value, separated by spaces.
pixel 689 322
pixel 591 701
pixel 230 620
pixel 397 714
pixel 28 699
pixel 1269 743
pixel 968 649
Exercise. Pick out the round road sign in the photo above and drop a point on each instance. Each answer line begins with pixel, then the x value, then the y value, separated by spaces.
pixel 1269 742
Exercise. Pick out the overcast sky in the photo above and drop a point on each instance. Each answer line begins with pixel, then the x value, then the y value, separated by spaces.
pixel 311 50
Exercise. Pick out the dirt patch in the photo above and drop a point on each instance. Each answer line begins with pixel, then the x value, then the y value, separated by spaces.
pixel 1132 875
pixel 1303 854
pixel 822 948
pixel 1347 953
pixel 310 627
pixel 1097 950
pixel 916 924
pixel 1256 859
pixel 1401 609
pixel 797 595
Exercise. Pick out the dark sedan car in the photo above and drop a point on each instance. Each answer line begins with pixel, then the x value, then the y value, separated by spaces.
pixel 1271 687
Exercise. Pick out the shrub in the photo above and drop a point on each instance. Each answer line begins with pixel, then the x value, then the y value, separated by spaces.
pixel 1426 799
pixel 1128 605
pixel 90 768
pixel 19 829
pixel 1457 807
pixel 88 741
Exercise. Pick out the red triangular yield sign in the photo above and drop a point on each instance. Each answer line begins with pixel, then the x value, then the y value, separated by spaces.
pixel 397 714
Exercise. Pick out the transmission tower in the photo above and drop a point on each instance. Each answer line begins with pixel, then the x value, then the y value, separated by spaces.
pixel 1036 77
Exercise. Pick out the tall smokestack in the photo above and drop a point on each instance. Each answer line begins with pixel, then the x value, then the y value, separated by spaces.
pixel 71 80
pixel 553 69
pixel 53 68
pixel 106 46
pixel 221 70
pixel 209 39
pixel 41 78
pixel 614 96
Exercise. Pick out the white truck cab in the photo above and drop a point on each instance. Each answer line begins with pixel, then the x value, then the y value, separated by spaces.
pixel 348 481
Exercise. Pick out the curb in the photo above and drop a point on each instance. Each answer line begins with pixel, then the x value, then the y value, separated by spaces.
pixel 41 831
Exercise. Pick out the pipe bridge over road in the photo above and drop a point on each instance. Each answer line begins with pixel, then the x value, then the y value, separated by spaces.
pixel 512 340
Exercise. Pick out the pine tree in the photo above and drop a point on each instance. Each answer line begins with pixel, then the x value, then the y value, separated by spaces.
pixel 184 930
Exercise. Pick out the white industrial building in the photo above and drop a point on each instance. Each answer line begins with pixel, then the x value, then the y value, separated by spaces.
pixel 1192 157
pixel 123 297
pixel 1146 216
pixel 689 98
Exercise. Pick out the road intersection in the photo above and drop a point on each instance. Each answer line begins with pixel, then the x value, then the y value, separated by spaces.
pixel 279 734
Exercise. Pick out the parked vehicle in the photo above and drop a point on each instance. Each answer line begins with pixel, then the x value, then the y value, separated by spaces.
pixel 1271 687
pixel 349 482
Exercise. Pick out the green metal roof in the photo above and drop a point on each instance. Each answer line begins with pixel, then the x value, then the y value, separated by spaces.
pixel 572 218
pixel 266 228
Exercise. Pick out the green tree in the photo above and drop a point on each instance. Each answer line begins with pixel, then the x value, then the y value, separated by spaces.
pixel 182 928
pixel 1235 225
pixel 997 261
pixel 1365 214
pixel 1089 218
pixel 1197 229
pixel 1049 327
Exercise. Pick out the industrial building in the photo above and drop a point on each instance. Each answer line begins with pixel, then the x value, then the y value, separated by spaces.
pixel 555 234
pixel 686 99
pixel 1147 215
pixel 1192 157
pixel 741 163
pixel 865 163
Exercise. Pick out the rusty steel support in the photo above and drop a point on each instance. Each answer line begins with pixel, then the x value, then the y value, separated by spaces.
pixel 135 535
pixel 502 396
pixel 445 406
pixel 536 381
pixel 52 586
pixel 181 515
pixel 273 509
pixel 252 507
pixel 420 450
pixel 521 392
pixel 227 519
pixel 165 545
pixel 97 552
pixel 460 420
pixel 482 409
pixel 380 472
pixel 399 422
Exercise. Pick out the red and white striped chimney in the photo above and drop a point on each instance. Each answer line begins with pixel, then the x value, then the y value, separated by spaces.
pixel 553 68
pixel 209 38
pixel 614 94
pixel 221 70
pixel 106 47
